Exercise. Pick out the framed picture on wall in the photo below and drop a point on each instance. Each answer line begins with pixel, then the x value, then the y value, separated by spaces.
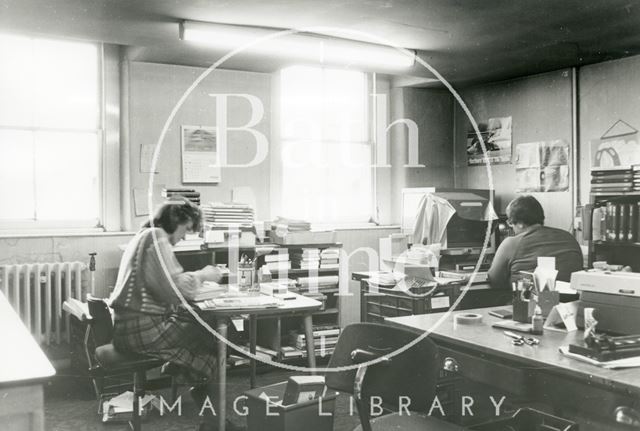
pixel 200 153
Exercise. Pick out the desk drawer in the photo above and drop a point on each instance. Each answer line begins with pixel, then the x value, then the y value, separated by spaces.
pixel 491 371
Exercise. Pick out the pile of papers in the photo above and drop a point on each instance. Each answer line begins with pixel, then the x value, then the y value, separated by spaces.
pixel 612 365
pixel 120 407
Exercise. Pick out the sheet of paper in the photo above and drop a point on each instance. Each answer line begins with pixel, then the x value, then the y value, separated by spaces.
pixel 563 317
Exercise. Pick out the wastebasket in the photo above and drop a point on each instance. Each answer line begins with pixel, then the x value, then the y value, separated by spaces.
pixel 263 415
pixel 527 419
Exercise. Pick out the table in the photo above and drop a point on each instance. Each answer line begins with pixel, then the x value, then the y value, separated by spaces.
pixel 300 306
pixel 23 370
pixel 580 391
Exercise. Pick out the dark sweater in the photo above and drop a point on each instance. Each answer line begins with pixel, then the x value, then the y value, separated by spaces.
pixel 521 252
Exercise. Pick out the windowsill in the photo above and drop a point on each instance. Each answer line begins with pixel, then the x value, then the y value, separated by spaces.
pixel 60 233
pixel 352 226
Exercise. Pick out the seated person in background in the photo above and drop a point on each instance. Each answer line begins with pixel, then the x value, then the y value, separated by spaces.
pixel 532 240
pixel 146 319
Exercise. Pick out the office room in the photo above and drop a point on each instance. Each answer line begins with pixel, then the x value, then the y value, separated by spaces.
pixel 300 215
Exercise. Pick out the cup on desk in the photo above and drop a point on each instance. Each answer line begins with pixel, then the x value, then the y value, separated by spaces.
pixel 246 275
pixel 523 308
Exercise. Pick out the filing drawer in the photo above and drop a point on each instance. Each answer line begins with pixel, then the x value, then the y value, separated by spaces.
pixel 492 372
pixel 394 303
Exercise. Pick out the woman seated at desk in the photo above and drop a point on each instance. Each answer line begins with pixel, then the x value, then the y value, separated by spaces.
pixel 532 240
pixel 144 301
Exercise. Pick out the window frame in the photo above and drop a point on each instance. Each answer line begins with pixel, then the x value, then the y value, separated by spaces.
pixel 369 130
pixel 35 226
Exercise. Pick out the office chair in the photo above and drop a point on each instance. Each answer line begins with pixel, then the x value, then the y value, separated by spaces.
pixel 411 375
pixel 104 360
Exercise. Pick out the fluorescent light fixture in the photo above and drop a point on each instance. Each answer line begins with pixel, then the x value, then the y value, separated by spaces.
pixel 304 47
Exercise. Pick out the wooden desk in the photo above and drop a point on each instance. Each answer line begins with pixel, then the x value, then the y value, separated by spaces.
pixel 585 393
pixel 300 306
pixel 23 369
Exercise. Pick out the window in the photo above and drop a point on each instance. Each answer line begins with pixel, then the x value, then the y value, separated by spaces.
pixel 49 133
pixel 326 153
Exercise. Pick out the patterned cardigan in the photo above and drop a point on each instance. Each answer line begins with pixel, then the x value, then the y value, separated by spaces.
pixel 143 286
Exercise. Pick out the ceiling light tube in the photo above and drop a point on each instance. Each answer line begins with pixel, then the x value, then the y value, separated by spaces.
pixel 305 47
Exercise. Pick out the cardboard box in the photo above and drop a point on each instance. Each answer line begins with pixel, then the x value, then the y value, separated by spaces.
pixel 272 415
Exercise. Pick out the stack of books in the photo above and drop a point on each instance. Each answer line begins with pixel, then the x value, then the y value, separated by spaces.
pixel 277 262
pixel 613 181
pixel 223 215
pixel 190 242
pixel 290 352
pixel 329 258
pixel 306 258
pixel 285 225
pixel 190 194
pixel 324 341
pixel 318 283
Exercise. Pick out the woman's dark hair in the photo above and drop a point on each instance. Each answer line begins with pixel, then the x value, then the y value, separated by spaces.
pixel 174 212
pixel 526 210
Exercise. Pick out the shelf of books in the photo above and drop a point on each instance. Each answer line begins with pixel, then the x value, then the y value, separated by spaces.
pixel 312 270
pixel 615 221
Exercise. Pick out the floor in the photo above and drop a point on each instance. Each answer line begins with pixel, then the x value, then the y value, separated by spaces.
pixel 70 407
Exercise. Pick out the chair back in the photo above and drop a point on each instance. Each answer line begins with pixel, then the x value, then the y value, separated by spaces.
pixel 412 373
pixel 101 323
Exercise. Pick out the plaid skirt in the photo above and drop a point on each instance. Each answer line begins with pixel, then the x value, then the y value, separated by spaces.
pixel 174 338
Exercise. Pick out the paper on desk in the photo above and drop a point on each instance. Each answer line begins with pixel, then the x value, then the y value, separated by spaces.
pixel 562 317
pixel 124 402
pixel 545 278
pixel 611 365
pixel 564 287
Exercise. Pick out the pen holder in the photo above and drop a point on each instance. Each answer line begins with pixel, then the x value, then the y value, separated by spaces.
pixel 547 300
pixel 246 275
pixel 523 309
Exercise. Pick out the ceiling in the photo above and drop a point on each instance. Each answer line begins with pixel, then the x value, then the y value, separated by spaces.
pixel 466 41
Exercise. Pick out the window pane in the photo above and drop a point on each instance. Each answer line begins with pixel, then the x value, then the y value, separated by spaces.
pixel 16 175
pixel 16 81
pixel 66 176
pixel 326 156
pixel 66 83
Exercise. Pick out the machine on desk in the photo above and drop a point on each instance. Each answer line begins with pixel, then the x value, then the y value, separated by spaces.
pixel 615 297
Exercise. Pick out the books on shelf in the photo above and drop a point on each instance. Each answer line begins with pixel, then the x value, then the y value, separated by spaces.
pixel 621 222
pixel 613 181
pixel 321 281
pixel 290 352
pixel 190 194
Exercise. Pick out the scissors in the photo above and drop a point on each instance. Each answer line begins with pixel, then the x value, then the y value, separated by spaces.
pixel 519 340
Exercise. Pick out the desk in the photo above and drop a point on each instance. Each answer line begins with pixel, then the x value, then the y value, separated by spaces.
pixel 23 369
pixel 300 306
pixel 577 390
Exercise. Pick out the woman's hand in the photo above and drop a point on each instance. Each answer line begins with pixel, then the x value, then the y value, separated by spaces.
pixel 209 273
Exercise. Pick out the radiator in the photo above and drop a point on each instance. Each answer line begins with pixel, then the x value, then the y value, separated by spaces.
pixel 37 290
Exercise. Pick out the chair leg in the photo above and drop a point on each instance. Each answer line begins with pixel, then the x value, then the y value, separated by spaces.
pixel 138 391
pixel 174 389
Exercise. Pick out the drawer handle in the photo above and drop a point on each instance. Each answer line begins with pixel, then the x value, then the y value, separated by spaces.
pixel 451 365
pixel 628 416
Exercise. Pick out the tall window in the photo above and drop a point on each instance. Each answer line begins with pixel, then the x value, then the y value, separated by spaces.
pixel 49 133
pixel 326 153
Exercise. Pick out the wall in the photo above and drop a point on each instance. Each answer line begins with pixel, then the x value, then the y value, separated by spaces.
pixel 540 107
pixel 43 249
pixel 607 92
pixel 431 110
pixel 154 90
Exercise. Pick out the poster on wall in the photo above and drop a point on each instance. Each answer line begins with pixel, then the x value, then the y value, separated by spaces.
pixel 496 134
pixel 200 155
pixel 617 148
pixel 542 166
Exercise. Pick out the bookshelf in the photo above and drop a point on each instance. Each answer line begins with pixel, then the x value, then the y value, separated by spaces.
pixel 285 332
pixel 615 232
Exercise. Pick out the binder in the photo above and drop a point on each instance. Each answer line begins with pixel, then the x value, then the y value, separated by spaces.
pixel 624 231
pixel 633 223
